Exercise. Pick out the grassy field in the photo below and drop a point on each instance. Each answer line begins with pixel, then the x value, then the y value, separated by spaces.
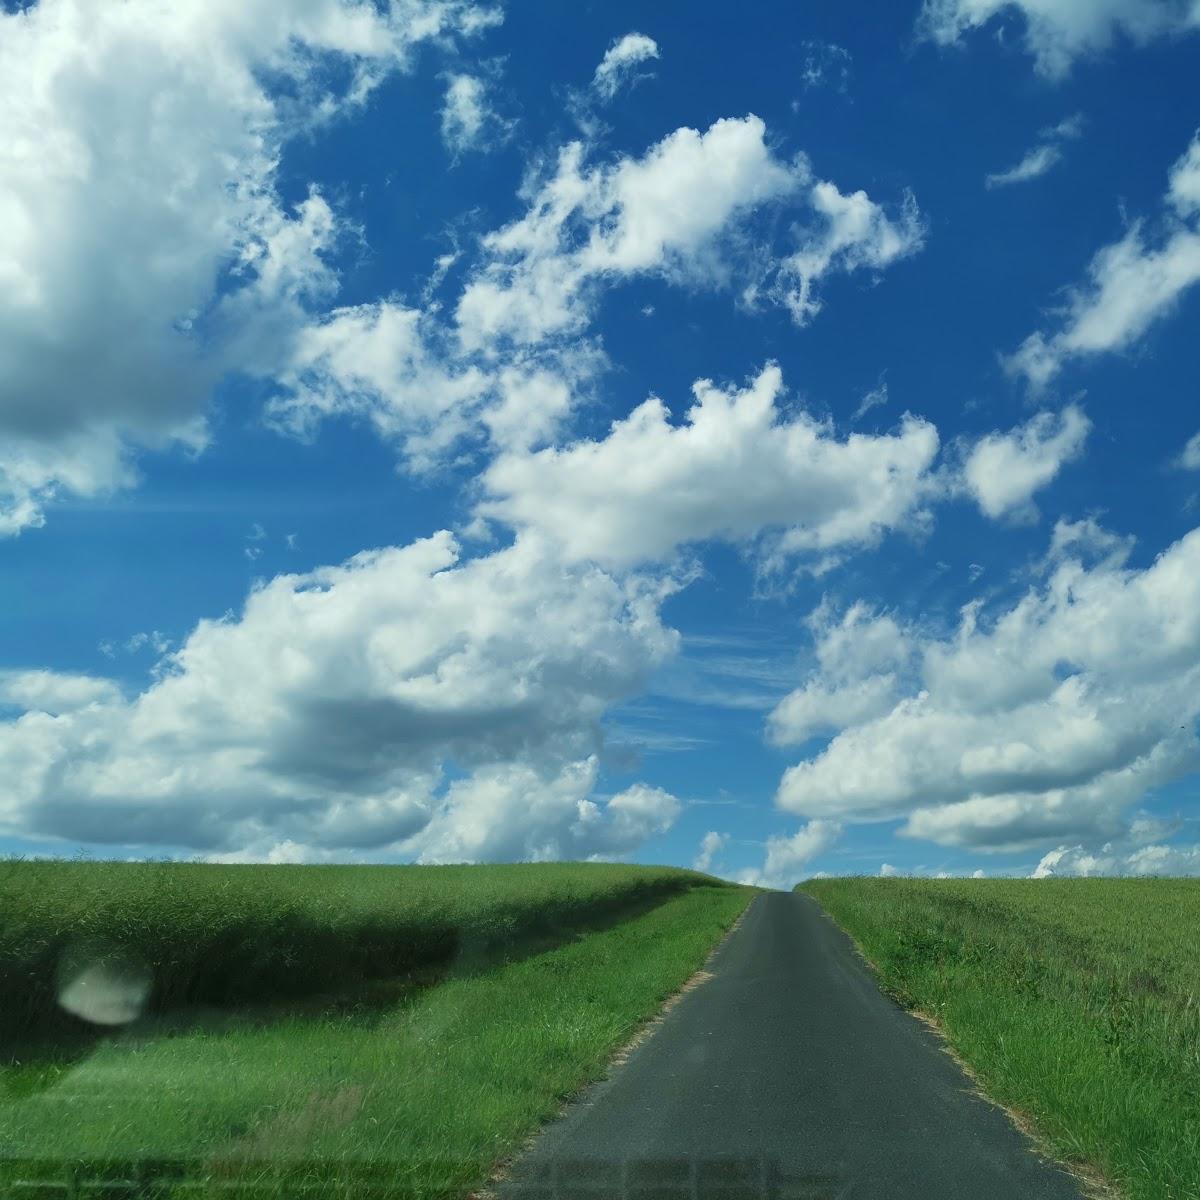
pixel 411 1085
pixel 1076 1001
pixel 199 933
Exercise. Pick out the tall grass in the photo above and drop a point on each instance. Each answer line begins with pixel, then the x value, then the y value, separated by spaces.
pixel 414 1099
pixel 230 934
pixel 1077 1003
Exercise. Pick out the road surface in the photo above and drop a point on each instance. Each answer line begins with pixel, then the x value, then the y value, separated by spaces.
pixel 788 1074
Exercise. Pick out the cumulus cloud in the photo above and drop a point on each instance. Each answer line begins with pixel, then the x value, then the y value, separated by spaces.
pixel 1086 541
pixel 620 61
pixel 405 701
pixel 679 212
pixel 1116 858
pixel 143 247
pixel 735 467
pixel 469 122
pixel 1130 284
pixel 786 857
pixel 396 368
pixel 1003 470
pixel 54 693
pixel 711 844
pixel 663 212
pixel 513 812
pixel 498 371
pixel 852 233
pixel 1043 724
pixel 384 363
pixel 861 658
pixel 630 817
pixel 1057 32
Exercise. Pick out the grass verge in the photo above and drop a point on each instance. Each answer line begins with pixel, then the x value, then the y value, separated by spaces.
pixel 185 933
pixel 1075 1002
pixel 415 1096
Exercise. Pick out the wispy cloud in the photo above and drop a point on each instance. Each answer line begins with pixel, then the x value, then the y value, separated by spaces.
pixel 1046 154
pixel 620 61
pixel 825 64
pixel 875 398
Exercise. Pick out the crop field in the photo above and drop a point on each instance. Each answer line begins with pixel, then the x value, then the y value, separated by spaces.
pixel 394 1030
pixel 1075 1001
pixel 204 933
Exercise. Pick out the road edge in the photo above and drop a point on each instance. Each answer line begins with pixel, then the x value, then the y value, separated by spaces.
pixel 501 1169
pixel 1092 1182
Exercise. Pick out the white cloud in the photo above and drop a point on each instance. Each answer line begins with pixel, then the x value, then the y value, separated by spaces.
pixel 1088 542
pixel 1067 129
pixel 680 212
pixel 469 122
pixel 403 701
pixel 1115 859
pixel 140 147
pixel 663 212
pixel 1131 284
pixel 1036 162
pixel 734 468
pixel 876 398
pixel 620 61
pixel 818 708
pixel 711 844
pixel 396 368
pixel 152 640
pixel 786 857
pixel 1183 185
pixel 1043 725
pixel 54 693
pixel 513 812
pixel 632 816
pixel 825 64
pixel 382 362
pixel 855 234
pixel 887 871
pixel 861 659
pixel 1189 457
pixel 1003 470
pixel 1057 32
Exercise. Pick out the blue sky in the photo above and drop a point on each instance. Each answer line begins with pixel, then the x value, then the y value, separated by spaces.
pixel 360 499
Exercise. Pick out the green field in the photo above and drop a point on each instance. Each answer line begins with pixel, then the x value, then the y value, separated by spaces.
pixel 1076 1002
pixel 232 934
pixel 508 988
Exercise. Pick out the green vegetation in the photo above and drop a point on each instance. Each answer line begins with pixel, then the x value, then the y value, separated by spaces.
pixel 212 934
pixel 1076 1002
pixel 412 1085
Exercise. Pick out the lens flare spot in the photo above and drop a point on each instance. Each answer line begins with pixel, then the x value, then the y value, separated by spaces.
pixel 104 988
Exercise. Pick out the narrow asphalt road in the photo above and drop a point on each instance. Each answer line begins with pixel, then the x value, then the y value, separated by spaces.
pixel 788 1074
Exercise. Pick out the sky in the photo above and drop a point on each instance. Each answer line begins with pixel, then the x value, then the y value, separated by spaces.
pixel 764 440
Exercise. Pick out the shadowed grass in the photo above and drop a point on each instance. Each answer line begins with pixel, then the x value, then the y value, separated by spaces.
pixel 1077 1003
pixel 206 933
pixel 417 1096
